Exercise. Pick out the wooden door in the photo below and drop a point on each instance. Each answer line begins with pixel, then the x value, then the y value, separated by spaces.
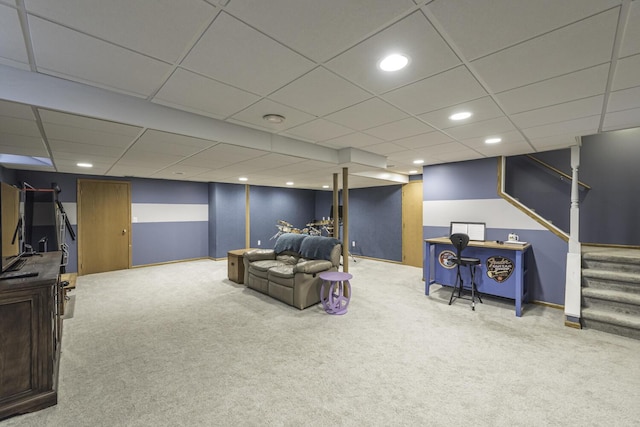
pixel 104 224
pixel 412 241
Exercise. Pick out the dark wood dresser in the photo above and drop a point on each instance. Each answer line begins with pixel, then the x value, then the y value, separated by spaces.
pixel 30 334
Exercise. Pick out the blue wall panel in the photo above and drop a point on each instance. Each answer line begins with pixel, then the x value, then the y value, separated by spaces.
pixel 157 242
pixel 270 204
pixel 375 222
pixel 227 217
pixel 474 179
pixel 171 192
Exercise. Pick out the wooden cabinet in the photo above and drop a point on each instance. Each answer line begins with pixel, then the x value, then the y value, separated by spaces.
pixel 30 334
pixel 235 265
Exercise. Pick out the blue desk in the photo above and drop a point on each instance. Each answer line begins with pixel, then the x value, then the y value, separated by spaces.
pixel 503 271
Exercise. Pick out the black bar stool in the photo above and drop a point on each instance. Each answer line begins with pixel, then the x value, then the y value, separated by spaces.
pixel 460 242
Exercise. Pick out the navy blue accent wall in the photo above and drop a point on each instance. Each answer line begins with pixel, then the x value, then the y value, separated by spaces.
pixel 610 211
pixel 270 204
pixel 157 242
pixel 323 202
pixel 227 218
pixel 415 177
pixel 474 179
pixel 170 192
pixel 375 222
pixel 540 189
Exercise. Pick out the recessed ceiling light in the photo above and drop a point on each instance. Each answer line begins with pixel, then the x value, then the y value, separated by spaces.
pixel 413 171
pixel 393 62
pixel 460 116
pixel 418 162
pixel 243 178
pixel 273 118
pixel 325 186
pixel 84 165
pixel 492 140
pixel 290 183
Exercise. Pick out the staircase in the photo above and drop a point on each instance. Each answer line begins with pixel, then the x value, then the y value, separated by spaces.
pixel 611 291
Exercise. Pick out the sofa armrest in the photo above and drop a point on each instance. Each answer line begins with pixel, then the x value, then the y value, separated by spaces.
pixel 259 255
pixel 312 266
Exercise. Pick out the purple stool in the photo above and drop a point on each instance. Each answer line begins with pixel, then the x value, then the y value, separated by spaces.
pixel 335 301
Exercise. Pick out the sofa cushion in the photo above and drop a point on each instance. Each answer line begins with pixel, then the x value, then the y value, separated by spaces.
pixel 318 247
pixel 261 268
pixel 282 275
pixel 259 254
pixel 289 242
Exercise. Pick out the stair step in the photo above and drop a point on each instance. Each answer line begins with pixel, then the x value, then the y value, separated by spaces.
pixel 612 295
pixel 616 323
pixel 615 280
pixel 628 260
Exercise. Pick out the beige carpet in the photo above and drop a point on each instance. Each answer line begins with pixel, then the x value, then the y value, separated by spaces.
pixel 180 345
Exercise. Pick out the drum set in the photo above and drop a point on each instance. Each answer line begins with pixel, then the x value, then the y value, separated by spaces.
pixel 317 228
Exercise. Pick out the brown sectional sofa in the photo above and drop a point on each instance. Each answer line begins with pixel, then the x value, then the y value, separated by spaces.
pixel 290 271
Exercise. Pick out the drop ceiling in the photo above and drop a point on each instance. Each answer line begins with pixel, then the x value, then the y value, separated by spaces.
pixel 178 90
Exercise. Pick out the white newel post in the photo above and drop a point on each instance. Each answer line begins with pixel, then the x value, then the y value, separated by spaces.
pixel 572 297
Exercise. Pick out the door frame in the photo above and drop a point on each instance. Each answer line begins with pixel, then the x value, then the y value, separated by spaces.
pixel 79 216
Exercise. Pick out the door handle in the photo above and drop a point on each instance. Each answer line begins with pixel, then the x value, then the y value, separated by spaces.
pixel 124 231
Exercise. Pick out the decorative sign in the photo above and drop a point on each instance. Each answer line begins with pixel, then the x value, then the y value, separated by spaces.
pixel 445 259
pixel 499 268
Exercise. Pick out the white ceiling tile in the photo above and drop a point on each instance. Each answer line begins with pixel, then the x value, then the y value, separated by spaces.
pixel 412 36
pixel 577 46
pixel 191 92
pixel 25 141
pixel 624 100
pixel 12 125
pixel 443 90
pixel 367 114
pixel 74 121
pixel 423 140
pixel 18 111
pixel 318 130
pixel 254 115
pixel 400 129
pixel 480 27
pixel 12 46
pixel 627 73
pixel 631 38
pixel 86 136
pixel 234 53
pixel 179 172
pixel 554 142
pixel 621 119
pixel 320 92
pixel 570 87
pixel 318 30
pixel 232 153
pixel 149 159
pixel 385 148
pixel 441 150
pixel 508 137
pixel 513 149
pixel 169 143
pixel 357 139
pixel 56 52
pixel 132 170
pixel 581 126
pixel 457 155
pixel 60 146
pixel 482 109
pixel 159 28
pixel 485 128
pixel 561 112
pixel 23 150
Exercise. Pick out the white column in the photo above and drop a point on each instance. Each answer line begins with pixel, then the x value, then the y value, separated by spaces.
pixel 572 296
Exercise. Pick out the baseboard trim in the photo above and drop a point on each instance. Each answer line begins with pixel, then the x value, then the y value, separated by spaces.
pixel 548 304
pixel 575 325
pixel 170 262
pixel 375 259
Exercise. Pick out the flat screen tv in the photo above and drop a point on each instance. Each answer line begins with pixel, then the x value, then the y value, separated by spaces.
pixel 11 231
